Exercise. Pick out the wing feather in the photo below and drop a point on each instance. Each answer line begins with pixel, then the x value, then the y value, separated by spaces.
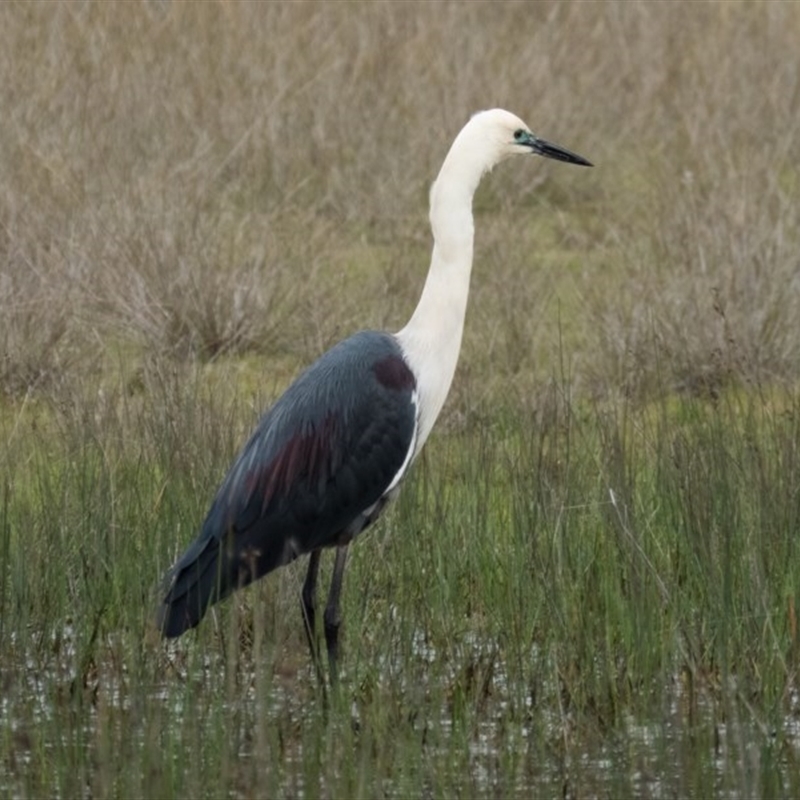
pixel 323 456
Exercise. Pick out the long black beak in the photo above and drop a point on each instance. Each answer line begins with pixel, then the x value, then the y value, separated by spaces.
pixel 550 150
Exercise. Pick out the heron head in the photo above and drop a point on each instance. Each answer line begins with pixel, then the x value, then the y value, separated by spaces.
pixel 511 136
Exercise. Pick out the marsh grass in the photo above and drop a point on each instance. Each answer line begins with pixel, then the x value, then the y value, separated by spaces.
pixel 588 587
pixel 581 599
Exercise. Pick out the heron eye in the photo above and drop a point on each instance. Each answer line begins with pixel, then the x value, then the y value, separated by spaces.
pixel 519 135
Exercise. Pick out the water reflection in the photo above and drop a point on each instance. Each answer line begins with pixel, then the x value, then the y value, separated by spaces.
pixel 465 697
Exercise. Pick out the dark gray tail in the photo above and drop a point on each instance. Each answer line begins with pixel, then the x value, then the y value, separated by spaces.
pixel 211 569
pixel 195 583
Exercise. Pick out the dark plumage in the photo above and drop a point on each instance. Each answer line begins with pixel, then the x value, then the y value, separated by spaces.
pixel 309 477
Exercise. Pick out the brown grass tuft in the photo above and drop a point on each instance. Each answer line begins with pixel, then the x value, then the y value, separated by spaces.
pixel 222 178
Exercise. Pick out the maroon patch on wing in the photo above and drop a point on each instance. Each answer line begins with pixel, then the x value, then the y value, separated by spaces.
pixel 306 456
pixel 394 373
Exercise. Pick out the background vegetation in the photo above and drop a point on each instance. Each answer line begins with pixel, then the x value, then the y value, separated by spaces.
pixel 589 586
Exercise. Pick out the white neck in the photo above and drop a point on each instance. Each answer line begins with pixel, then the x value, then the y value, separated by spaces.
pixel 432 338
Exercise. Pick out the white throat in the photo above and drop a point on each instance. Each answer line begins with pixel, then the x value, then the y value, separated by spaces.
pixel 432 338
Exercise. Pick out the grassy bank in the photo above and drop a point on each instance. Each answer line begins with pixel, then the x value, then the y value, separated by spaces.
pixel 589 585
pixel 595 600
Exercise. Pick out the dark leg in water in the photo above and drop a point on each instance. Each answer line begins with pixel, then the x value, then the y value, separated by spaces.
pixel 333 618
pixel 309 599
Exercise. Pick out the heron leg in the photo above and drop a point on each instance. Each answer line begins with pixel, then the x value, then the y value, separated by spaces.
pixel 333 618
pixel 309 600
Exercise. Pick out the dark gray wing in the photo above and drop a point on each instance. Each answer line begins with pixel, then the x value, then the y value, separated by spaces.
pixel 322 456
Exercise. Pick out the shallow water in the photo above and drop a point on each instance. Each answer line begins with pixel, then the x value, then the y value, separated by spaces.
pixel 545 748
